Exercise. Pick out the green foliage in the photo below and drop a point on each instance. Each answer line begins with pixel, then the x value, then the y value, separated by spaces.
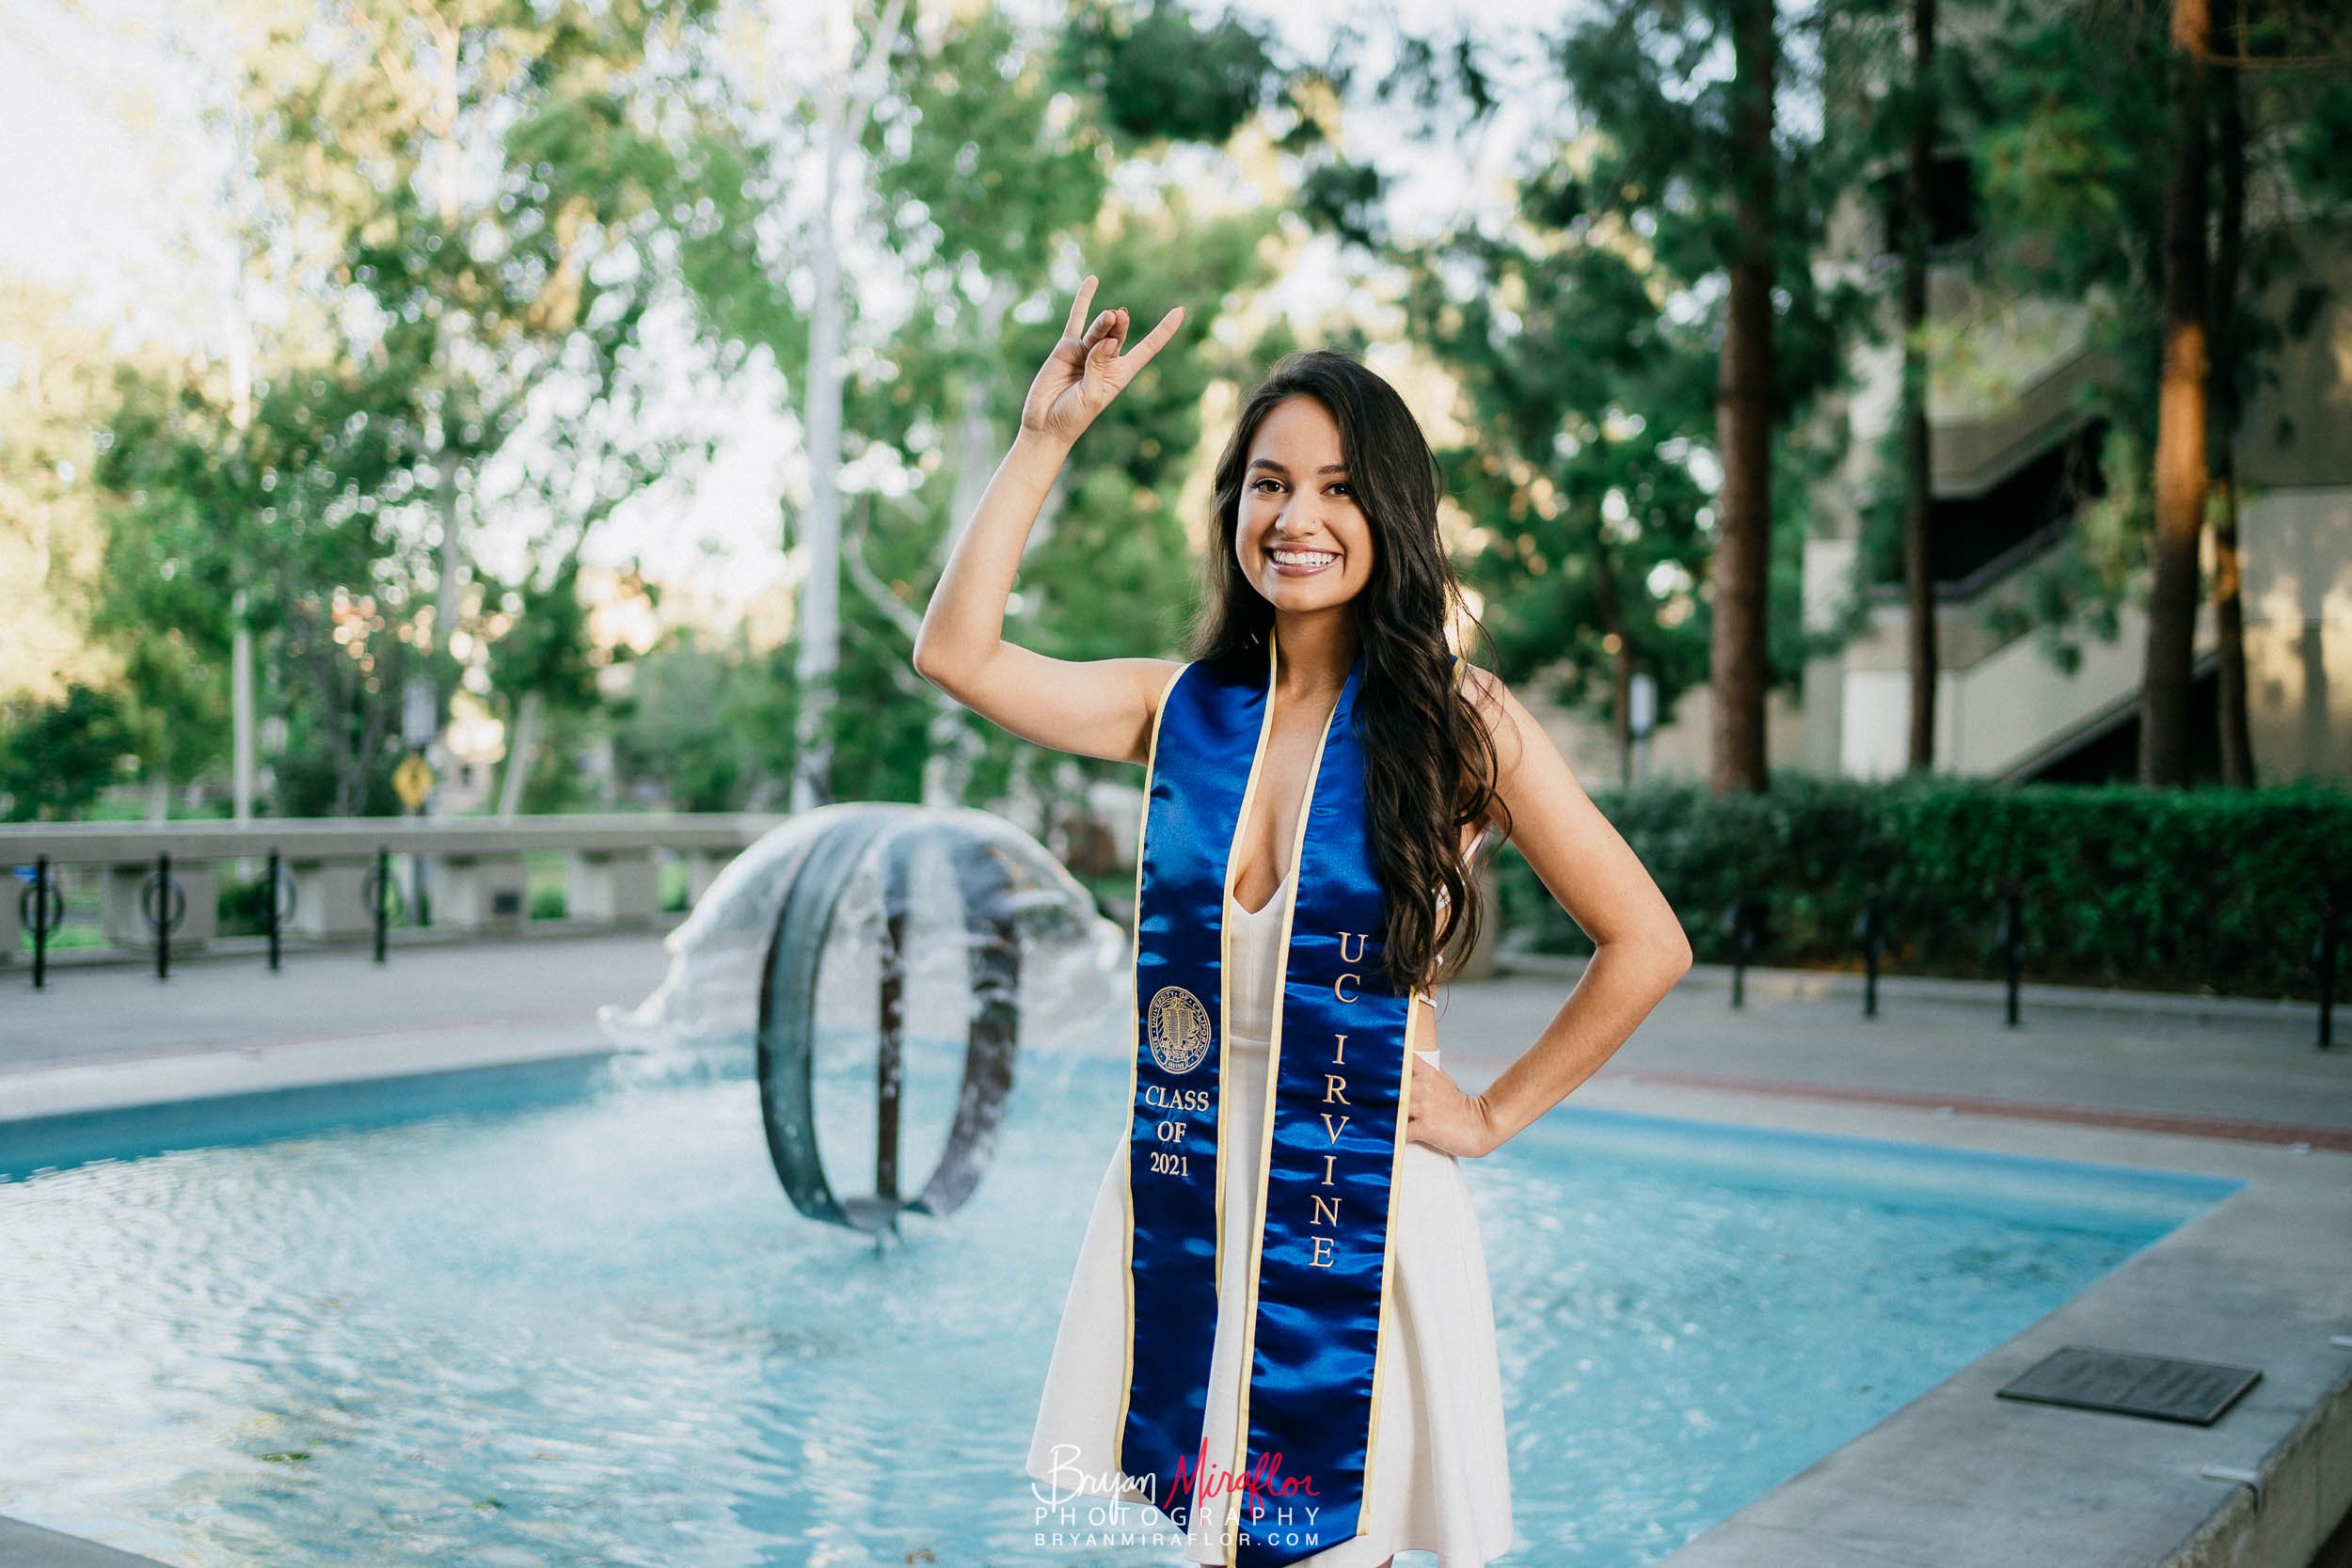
pixel 54 759
pixel 2216 890
pixel 346 772
pixel 280 504
pixel 976 159
pixel 993 157
pixel 709 727
pixel 463 227
pixel 2067 117
pixel 549 649
pixel 1159 74
pixel 465 307
pixel 56 387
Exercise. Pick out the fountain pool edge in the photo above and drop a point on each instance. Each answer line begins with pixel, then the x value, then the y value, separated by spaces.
pixel 1959 1479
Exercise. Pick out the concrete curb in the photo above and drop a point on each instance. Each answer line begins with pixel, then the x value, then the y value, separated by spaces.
pixel 2304 1490
pixel 23 1545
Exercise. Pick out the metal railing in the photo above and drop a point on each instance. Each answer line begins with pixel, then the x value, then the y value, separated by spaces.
pixel 332 880
pixel 1743 924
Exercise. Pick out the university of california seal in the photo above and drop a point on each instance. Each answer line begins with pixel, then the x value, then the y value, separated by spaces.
pixel 1178 1027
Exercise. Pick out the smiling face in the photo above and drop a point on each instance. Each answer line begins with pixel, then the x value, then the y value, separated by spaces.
pixel 1300 538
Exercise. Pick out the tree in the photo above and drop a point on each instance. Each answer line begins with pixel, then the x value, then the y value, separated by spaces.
pixel 985 151
pixel 772 274
pixel 2221 310
pixel 1633 334
pixel 54 759
pixel 2081 137
pixel 1918 490
pixel 542 663
pixel 2181 476
pixel 1744 410
pixel 292 511
pixel 499 186
pixel 56 391
pixel 2267 63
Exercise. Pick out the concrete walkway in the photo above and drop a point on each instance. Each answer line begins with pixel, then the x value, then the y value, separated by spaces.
pixel 1957 1479
pixel 2162 1064
pixel 2231 1069
pixel 121 1012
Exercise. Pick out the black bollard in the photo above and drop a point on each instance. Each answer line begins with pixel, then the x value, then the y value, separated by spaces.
pixel 2013 945
pixel 383 892
pixel 1741 921
pixel 40 919
pixel 157 904
pixel 1868 929
pixel 270 915
pixel 2323 954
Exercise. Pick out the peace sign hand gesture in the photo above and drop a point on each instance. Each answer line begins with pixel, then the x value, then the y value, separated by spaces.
pixel 1086 369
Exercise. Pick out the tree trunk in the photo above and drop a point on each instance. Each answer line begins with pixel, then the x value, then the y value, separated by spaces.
pixel 819 530
pixel 2236 738
pixel 520 750
pixel 1744 424
pixel 2180 477
pixel 241 707
pixel 241 746
pixel 448 417
pixel 1918 520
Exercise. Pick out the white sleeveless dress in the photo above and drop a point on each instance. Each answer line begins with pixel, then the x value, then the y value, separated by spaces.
pixel 1442 1482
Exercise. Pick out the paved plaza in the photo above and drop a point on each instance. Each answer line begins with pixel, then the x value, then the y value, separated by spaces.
pixel 2246 1072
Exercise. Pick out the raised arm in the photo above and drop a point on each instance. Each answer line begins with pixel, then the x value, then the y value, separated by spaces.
pixel 1093 707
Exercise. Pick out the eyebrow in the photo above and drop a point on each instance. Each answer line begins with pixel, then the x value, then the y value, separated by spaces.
pixel 1269 463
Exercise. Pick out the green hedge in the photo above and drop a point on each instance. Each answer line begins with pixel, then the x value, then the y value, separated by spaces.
pixel 2215 891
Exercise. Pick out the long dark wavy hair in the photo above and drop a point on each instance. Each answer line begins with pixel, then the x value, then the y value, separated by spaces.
pixel 1429 758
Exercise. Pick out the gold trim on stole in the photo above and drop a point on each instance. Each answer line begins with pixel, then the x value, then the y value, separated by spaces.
pixel 1225 935
pixel 1126 1148
pixel 1265 1157
pixel 1127 1143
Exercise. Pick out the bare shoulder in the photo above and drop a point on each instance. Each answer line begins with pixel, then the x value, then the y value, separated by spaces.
pixel 1488 689
pixel 1581 860
pixel 1149 681
pixel 1507 721
pixel 1152 678
pixel 1532 774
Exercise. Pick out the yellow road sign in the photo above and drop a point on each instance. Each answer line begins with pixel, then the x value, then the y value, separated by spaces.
pixel 412 780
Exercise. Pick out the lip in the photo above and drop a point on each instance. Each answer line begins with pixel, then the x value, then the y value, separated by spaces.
pixel 1288 570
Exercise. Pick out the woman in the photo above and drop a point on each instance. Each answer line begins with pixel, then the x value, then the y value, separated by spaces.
pixel 1324 725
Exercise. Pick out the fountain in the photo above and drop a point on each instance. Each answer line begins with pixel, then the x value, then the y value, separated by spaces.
pixel 826 946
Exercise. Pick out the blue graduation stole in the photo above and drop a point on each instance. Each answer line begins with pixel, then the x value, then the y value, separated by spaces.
pixel 1334 1133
